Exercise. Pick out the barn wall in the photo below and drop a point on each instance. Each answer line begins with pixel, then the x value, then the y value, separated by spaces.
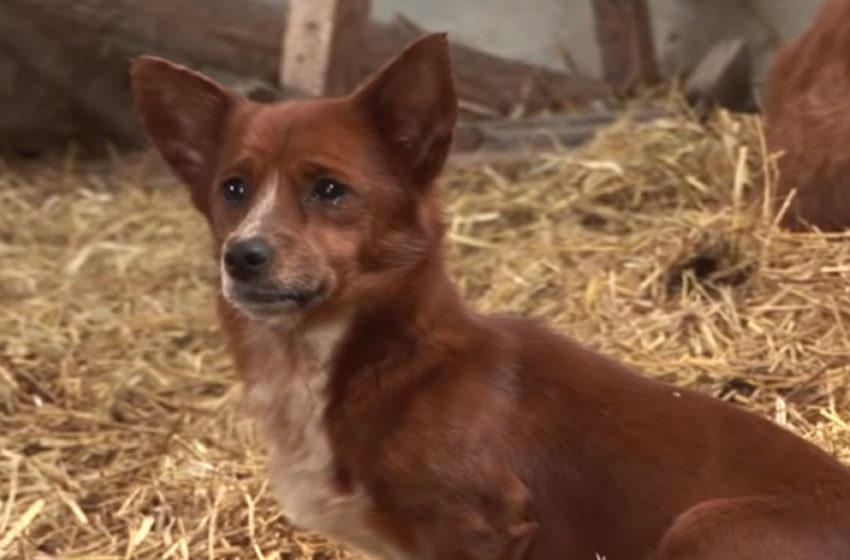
pixel 536 30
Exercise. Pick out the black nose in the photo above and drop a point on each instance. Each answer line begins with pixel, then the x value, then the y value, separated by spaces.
pixel 246 259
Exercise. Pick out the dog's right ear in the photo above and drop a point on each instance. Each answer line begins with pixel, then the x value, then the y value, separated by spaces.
pixel 184 113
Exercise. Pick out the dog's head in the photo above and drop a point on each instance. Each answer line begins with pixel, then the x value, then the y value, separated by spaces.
pixel 312 203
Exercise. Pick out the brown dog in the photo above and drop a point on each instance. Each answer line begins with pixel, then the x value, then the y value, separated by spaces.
pixel 807 102
pixel 405 424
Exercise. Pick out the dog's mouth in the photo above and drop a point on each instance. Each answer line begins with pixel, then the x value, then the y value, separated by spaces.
pixel 271 300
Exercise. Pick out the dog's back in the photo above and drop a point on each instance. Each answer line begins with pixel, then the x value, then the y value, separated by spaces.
pixel 625 441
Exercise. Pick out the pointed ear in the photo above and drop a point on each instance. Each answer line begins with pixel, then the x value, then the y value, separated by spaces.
pixel 413 104
pixel 184 114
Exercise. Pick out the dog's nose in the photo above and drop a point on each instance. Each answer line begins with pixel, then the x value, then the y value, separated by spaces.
pixel 246 259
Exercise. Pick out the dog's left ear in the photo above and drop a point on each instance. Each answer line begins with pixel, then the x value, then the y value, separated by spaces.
pixel 413 104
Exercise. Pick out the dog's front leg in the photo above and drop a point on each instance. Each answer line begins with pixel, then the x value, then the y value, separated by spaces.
pixel 471 537
pixel 479 524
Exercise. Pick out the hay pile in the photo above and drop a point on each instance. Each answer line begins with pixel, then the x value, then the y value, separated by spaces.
pixel 120 433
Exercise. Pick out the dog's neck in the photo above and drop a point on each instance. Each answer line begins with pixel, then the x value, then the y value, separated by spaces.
pixel 403 334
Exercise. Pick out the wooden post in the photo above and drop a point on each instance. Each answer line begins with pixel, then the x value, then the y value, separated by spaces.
pixel 323 45
pixel 624 35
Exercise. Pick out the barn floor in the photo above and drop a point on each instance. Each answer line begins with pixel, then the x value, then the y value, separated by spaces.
pixel 120 431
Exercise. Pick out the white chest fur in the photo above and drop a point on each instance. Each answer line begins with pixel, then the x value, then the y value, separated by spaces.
pixel 288 396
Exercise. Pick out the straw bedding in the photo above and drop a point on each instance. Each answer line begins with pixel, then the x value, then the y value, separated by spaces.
pixel 121 434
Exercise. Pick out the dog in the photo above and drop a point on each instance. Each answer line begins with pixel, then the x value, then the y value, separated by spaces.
pixel 806 107
pixel 408 426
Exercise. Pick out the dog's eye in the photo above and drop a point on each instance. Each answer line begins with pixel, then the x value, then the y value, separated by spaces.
pixel 328 190
pixel 234 190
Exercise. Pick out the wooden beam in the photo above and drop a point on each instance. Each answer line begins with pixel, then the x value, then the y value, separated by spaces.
pixel 323 44
pixel 540 133
pixel 624 35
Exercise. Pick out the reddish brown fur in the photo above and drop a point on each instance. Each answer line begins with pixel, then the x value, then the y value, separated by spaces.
pixel 445 434
pixel 807 107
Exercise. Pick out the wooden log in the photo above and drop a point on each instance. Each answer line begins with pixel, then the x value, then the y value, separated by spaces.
pixel 243 38
pixel 103 98
pixel 36 118
pixel 321 44
pixel 624 35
